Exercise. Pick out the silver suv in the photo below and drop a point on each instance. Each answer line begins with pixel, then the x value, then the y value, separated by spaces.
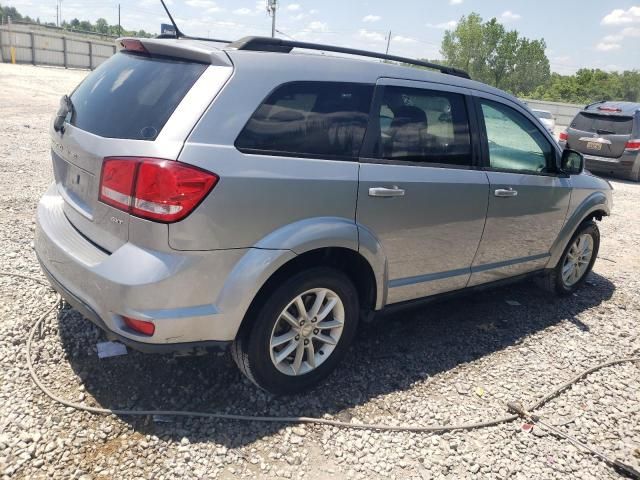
pixel 212 195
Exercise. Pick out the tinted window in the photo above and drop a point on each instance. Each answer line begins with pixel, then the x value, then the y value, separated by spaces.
pixel 515 143
pixel 323 119
pixel 603 124
pixel 132 96
pixel 423 126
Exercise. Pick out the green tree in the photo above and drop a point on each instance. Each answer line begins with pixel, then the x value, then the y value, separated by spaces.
pixel 102 26
pixel 496 56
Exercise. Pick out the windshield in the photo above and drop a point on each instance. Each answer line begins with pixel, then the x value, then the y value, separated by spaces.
pixel 603 124
pixel 132 96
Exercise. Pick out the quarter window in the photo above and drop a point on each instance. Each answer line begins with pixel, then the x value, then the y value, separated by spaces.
pixel 314 119
pixel 515 143
pixel 423 126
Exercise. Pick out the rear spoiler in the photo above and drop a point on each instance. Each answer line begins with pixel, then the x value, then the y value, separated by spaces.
pixel 182 49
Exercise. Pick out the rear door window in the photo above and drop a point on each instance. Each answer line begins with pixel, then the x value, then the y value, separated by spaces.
pixel 132 96
pixel 310 119
pixel 603 124
pixel 424 127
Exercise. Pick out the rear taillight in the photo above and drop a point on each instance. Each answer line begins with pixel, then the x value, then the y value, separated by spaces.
pixel 564 136
pixel 609 109
pixel 633 145
pixel 153 188
pixel 141 326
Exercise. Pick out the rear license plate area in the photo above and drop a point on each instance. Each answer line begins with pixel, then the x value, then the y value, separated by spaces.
pixel 594 146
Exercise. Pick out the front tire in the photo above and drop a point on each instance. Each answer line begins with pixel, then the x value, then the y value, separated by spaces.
pixel 301 332
pixel 577 260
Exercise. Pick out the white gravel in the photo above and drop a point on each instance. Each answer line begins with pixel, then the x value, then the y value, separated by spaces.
pixel 451 362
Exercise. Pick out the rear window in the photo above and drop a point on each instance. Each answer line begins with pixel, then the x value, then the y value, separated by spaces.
pixel 310 119
pixel 132 96
pixel 603 124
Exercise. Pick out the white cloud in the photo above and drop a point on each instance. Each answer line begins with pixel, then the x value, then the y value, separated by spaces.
pixel 299 16
pixel 631 32
pixel 622 17
pixel 612 38
pixel 317 26
pixel 508 16
pixel 613 42
pixel 201 3
pixel 607 47
pixel 243 11
pixel 370 36
pixel 401 39
pixel 455 2
pixel 444 25
pixel 294 7
pixel 314 11
pixel 371 18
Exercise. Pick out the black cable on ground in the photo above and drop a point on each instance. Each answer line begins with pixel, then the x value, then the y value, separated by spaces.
pixel 293 419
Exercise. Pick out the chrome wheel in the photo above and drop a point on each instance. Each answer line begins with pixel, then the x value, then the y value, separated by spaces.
pixel 577 259
pixel 307 331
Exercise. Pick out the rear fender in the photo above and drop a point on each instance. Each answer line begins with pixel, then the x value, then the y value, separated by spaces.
pixel 271 253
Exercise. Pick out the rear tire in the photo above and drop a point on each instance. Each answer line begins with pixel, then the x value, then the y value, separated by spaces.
pixel 300 333
pixel 576 262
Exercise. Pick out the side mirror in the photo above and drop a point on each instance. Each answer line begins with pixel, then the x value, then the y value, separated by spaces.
pixel 572 162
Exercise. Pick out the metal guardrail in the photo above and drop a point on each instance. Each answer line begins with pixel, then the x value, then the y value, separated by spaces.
pixel 563 112
pixel 40 46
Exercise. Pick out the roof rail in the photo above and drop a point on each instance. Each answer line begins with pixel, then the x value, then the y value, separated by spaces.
pixel 268 44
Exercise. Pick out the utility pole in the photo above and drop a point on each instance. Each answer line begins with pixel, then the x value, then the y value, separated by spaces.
pixel 119 27
pixel 388 42
pixel 271 10
pixel 60 10
pixel 57 15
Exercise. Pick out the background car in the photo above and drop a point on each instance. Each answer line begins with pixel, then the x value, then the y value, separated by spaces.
pixel 608 135
pixel 547 119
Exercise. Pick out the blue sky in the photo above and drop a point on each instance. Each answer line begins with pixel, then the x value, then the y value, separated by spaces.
pixel 594 33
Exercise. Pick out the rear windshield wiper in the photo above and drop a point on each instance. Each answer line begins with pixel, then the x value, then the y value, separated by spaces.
pixel 600 131
pixel 66 107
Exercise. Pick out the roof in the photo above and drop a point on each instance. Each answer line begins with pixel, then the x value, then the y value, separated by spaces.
pixel 312 64
pixel 613 108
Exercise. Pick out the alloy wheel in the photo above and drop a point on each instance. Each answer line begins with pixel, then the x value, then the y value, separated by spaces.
pixel 577 259
pixel 307 331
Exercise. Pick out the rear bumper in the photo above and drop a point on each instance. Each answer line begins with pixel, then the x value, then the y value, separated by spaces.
pixel 87 312
pixel 177 291
pixel 625 166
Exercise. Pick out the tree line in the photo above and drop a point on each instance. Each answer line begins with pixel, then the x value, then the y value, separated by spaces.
pixel 503 58
pixel 101 26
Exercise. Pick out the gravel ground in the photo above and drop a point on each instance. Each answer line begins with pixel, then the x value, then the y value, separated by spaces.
pixel 452 362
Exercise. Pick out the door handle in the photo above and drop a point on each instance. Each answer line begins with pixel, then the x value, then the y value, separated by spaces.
pixel 506 192
pixel 386 192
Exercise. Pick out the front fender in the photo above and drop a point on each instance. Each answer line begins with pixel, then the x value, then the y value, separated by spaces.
pixel 596 201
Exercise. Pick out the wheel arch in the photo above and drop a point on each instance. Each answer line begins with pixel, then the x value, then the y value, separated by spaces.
pixel 346 260
pixel 595 206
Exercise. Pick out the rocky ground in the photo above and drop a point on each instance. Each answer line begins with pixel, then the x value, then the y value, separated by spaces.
pixel 453 362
